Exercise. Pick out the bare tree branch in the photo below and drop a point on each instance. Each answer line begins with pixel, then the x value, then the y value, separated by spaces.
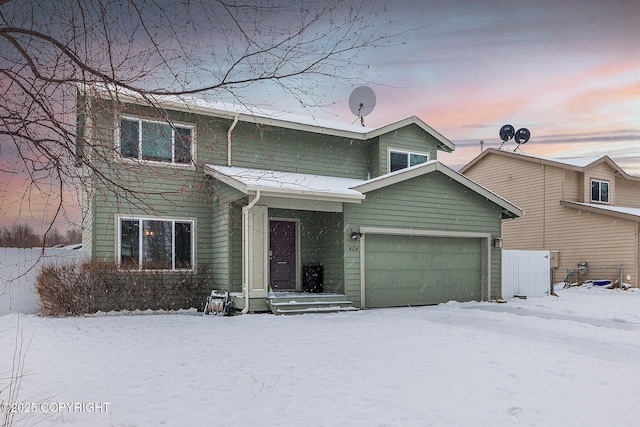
pixel 154 48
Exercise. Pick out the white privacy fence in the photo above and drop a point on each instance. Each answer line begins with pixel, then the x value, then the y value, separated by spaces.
pixel 525 273
pixel 18 271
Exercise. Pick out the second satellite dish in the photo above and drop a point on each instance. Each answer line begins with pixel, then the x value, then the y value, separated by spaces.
pixel 522 135
pixel 362 101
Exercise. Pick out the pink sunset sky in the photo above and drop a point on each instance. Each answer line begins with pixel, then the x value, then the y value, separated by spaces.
pixel 569 71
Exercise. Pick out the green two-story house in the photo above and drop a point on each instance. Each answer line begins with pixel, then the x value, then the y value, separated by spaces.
pixel 275 204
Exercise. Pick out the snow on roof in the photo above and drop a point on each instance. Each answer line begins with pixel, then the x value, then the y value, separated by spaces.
pixel 309 186
pixel 614 209
pixel 254 111
pixel 232 110
pixel 580 162
pixel 272 118
pixel 299 184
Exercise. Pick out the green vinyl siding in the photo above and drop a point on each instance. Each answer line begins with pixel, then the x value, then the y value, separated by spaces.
pixel 410 139
pixel 264 147
pixel 227 237
pixel 430 202
pixel 419 270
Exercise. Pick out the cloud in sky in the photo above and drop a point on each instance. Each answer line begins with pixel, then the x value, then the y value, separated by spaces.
pixel 567 70
pixel 557 68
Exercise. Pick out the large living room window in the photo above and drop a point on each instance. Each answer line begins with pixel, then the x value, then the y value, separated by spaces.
pixel 404 159
pixel 156 141
pixel 599 191
pixel 154 244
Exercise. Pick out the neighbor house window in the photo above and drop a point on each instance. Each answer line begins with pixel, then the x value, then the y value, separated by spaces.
pixel 404 159
pixel 154 244
pixel 156 141
pixel 599 191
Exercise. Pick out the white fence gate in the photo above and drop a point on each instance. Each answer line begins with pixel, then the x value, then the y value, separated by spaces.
pixel 18 271
pixel 525 273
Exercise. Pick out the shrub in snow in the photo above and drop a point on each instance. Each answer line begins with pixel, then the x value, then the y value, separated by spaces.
pixel 80 288
pixel 65 289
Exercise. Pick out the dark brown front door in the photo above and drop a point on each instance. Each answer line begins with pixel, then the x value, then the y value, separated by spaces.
pixel 282 251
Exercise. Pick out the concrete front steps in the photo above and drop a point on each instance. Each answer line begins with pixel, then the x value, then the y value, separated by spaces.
pixel 301 303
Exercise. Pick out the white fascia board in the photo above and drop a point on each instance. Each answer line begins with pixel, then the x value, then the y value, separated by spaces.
pixel 238 185
pixel 396 177
pixel 304 194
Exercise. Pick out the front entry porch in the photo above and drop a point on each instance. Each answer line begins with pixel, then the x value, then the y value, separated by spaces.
pixel 290 223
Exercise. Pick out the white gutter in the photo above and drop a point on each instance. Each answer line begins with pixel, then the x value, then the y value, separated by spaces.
pixel 233 125
pixel 245 250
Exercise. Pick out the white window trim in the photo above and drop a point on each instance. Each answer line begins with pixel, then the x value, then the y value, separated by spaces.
pixel 408 153
pixel 608 190
pixel 119 220
pixel 172 163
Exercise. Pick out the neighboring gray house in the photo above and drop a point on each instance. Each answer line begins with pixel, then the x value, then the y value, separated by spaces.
pixel 269 202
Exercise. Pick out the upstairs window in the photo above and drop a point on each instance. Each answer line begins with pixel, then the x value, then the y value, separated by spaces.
pixel 153 244
pixel 156 141
pixel 599 191
pixel 405 159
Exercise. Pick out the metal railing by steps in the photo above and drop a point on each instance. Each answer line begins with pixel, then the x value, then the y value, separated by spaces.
pixel 302 303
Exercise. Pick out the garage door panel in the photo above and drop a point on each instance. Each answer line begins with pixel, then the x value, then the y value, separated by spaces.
pixel 417 270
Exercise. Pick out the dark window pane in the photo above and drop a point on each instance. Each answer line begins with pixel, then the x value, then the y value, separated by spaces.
pixel 129 243
pixel 129 138
pixel 156 245
pixel 156 141
pixel 595 191
pixel 183 145
pixel 398 161
pixel 416 159
pixel 604 191
pixel 183 244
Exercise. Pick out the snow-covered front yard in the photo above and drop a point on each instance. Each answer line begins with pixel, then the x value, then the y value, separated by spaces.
pixel 573 360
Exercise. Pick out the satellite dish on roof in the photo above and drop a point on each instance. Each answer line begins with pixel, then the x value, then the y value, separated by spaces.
pixel 362 101
pixel 507 132
pixel 522 136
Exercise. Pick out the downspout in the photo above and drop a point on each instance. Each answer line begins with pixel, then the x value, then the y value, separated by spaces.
pixel 233 125
pixel 245 249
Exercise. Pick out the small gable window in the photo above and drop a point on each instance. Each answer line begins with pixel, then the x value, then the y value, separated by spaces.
pixel 156 141
pixel 405 159
pixel 599 191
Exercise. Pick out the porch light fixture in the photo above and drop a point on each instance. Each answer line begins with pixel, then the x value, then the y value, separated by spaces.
pixel 497 242
pixel 356 235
